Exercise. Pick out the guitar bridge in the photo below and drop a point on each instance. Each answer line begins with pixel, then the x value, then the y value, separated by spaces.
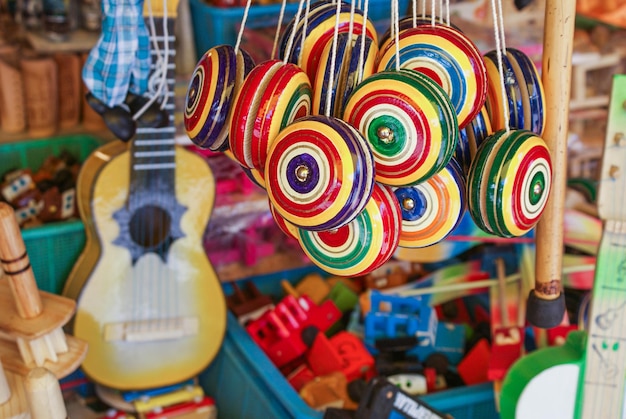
pixel 151 330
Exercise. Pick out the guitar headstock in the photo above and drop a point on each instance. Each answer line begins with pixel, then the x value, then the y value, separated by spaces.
pixel 612 185
pixel 161 8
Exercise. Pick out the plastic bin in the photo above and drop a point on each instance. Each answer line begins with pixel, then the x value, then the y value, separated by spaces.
pixel 52 248
pixel 214 26
pixel 245 383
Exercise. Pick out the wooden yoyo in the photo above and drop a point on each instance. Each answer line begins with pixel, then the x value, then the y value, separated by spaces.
pixel 31 321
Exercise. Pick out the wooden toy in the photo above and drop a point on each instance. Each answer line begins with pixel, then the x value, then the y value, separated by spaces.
pixel 318 160
pixel 362 245
pixel 509 183
pixel 433 208
pixel 326 391
pixel 248 304
pixel 409 123
pixel 144 286
pixel 312 285
pixel 272 96
pixel 326 73
pixel 196 409
pixel 409 22
pixel 157 403
pixel 31 321
pixel 448 57
pixel 145 395
pixel 217 78
pixel 285 226
pixel 320 28
pixel 590 366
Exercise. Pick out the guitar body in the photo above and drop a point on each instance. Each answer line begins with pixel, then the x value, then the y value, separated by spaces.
pixel 544 384
pixel 156 320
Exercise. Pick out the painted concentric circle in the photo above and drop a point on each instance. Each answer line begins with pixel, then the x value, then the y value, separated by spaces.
pixel 214 83
pixel 409 123
pixel 285 226
pixel 273 95
pixel 509 183
pixel 319 173
pixel 362 245
pixel 432 209
pixel 448 57
pixel 471 137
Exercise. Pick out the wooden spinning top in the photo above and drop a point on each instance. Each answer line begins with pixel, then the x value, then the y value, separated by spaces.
pixel 31 321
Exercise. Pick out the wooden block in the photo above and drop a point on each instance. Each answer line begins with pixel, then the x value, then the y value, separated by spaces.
pixel 57 311
pixel 40 87
pixel 66 363
pixel 44 396
pixel 16 407
pixel 12 108
pixel 69 86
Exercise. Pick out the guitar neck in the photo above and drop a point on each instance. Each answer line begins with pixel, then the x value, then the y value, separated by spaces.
pixel 153 149
pixel 602 382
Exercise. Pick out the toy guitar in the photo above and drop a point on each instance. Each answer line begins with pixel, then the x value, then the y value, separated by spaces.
pixel 148 301
pixel 585 377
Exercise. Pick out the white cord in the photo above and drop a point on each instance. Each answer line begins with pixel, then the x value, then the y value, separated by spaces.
pixel 496 31
pixel 448 12
pixel 160 71
pixel 433 11
pixel 333 60
pixel 243 26
pixel 414 13
pixel 292 35
pixel 305 27
pixel 396 24
pixel 281 16
pixel 363 38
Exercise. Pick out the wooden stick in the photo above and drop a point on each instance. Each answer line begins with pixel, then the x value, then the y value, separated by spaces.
pixel 546 303
pixel 43 392
pixel 16 265
pixel 5 391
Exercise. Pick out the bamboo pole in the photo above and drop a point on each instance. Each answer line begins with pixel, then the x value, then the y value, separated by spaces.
pixel 546 303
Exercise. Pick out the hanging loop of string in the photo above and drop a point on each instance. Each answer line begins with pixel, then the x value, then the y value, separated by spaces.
pixel 498 30
pixel 243 25
pixel 281 16
pixel 157 83
pixel 333 61
pixel 363 38
pixel 396 30
pixel 292 35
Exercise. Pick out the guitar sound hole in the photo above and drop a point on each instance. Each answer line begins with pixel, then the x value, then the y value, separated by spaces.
pixel 150 226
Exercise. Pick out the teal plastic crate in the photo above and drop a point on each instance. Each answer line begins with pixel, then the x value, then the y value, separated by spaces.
pixel 54 247
pixel 214 26
pixel 245 383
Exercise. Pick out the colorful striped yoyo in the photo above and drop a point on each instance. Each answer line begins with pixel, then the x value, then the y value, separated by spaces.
pixel 320 29
pixel 319 173
pixel 273 95
pixel 471 137
pixel 449 58
pixel 362 245
pixel 432 209
pixel 285 226
pixel 523 90
pixel 345 73
pixel 509 183
pixel 407 22
pixel 214 83
pixel 409 123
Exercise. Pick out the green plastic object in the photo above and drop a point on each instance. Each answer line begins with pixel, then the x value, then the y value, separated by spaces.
pixel 54 247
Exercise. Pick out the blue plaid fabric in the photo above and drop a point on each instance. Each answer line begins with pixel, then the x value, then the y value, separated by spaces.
pixel 120 60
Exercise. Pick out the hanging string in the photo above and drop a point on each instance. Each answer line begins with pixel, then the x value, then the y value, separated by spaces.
pixel 433 11
pixel 243 25
pixel 159 75
pixel 396 24
pixel 424 9
pixel 501 24
pixel 333 60
pixel 497 33
pixel 415 13
pixel 448 12
pixel 305 27
pixel 292 35
pixel 363 38
pixel 281 16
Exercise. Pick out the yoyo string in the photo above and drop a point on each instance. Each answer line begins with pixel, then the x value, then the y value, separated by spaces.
pixel 292 35
pixel 333 59
pixel 396 26
pixel 305 25
pixel 499 33
pixel 423 9
pixel 363 37
pixel 281 16
pixel 433 11
pixel 414 10
pixel 243 26
pixel 448 12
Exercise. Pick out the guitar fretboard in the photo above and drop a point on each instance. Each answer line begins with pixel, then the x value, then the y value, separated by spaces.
pixel 153 149
pixel 605 360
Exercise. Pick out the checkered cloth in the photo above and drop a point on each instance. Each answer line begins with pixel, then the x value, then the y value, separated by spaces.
pixel 120 60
